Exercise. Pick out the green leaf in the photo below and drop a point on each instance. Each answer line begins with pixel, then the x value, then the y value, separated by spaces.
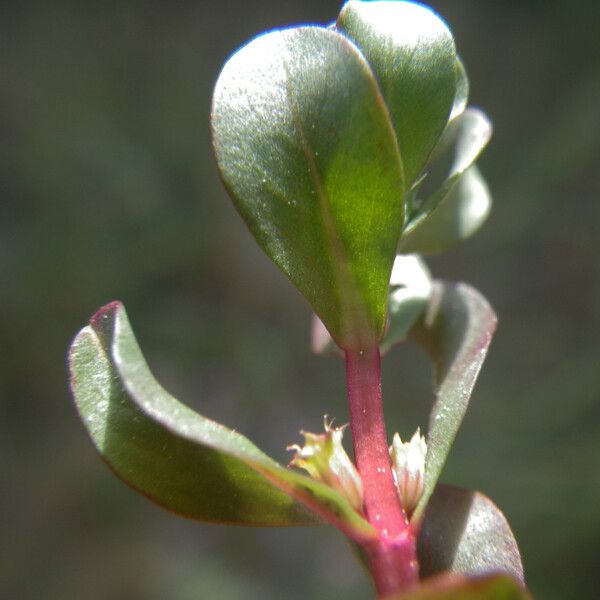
pixel 307 151
pixel 456 332
pixel 410 289
pixel 495 587
pixel 461 205
pixel 465 533
pixel 177 458
pixel 412 54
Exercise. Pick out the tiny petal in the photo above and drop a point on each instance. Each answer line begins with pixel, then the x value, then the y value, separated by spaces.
pixel 408 466
pixel 323 457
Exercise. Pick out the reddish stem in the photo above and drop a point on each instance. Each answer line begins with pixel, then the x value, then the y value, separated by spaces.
pixel 393 558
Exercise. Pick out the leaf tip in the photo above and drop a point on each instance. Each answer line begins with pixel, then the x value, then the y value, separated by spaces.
pixel 99 325
pixel 107 312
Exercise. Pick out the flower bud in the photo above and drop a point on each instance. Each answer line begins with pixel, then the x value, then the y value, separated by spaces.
pixel 408 466
pixel 325 459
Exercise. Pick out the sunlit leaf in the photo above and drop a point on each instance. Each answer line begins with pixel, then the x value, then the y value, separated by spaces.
pixel 465 533
pixel 308 153
pixel 412 53
pixel 456 331
pixel 176 457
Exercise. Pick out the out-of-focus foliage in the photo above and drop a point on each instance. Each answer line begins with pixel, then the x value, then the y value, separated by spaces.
pixel 109 191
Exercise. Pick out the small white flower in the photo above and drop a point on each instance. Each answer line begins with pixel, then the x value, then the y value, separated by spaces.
pixel 325 459
pixel 408 466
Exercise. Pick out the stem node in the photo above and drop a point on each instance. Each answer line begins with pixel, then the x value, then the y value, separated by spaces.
pixel 392 555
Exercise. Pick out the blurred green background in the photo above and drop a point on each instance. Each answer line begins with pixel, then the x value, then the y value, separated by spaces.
pixel 109 191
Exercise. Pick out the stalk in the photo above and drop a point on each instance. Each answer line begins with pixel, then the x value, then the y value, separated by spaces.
pixel 393 560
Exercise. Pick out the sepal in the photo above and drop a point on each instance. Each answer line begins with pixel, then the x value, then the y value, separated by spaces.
pixel 323 457
pixel 408 467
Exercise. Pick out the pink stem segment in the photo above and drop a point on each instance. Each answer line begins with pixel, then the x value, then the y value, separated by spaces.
pixel 394 565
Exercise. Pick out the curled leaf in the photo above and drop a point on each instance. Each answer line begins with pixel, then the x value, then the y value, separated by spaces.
pixel 461 205
pixel 456 332
pixel 178 458
pixel 465 533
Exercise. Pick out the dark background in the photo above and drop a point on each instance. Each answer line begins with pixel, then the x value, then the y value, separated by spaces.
pixel 109 191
